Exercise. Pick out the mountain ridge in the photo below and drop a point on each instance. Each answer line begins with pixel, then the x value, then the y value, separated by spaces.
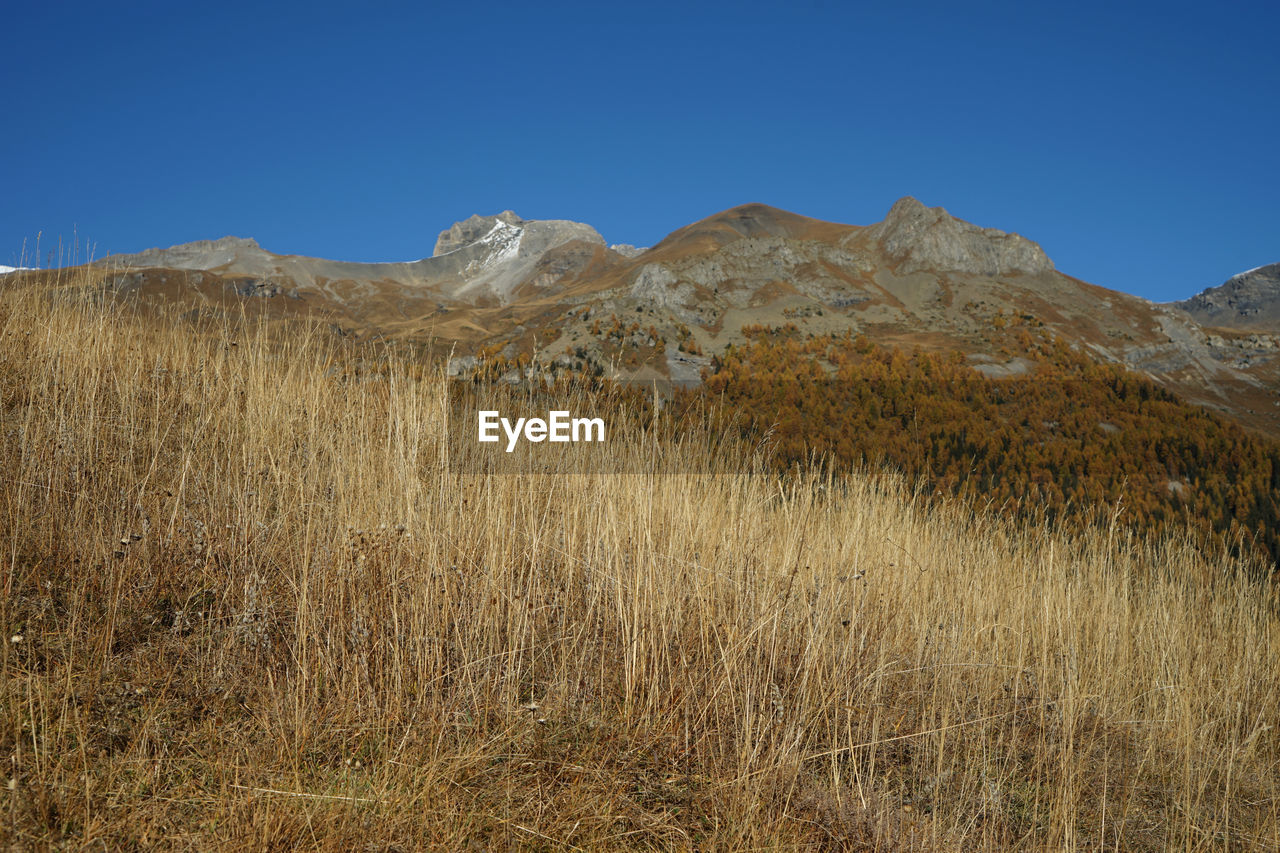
pixel 556 292
pixel 1247 300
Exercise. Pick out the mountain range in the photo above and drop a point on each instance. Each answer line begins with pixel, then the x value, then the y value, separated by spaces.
pixel 553 294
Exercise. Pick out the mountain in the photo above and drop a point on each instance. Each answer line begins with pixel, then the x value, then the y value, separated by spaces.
pixel 924 238
pixel 1248 300
pixel 479 259
pixel 502 287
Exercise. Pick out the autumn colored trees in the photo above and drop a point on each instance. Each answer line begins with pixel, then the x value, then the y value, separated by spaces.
pixel 1062 440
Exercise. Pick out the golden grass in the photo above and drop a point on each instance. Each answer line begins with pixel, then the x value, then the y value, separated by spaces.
pixel 251 600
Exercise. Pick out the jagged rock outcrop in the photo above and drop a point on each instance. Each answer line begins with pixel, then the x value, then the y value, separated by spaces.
pixel 479 258
pixel 499 253
pixel 1247 300
pixel 198 255
pixel 507 232
pixel 658 286
pixel 929 238
pixel 473 230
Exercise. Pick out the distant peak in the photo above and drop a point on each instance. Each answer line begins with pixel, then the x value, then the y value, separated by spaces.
pixel 196 255
pixel 473 229
pixel 222 243
pixel 911 209
pixel 753 211
pixel 755 208
pixel 1271 270
pixel 908 205
pixel 753 220
pixel 1247 300
pixel 511 231
pixel 234 242
pixel 929 238
pixel 627 250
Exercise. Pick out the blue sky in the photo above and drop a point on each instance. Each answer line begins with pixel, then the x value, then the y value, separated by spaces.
pixel 1136 142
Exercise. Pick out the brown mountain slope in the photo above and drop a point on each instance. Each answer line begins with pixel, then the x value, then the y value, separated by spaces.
pixel 553 293
pixel 747 220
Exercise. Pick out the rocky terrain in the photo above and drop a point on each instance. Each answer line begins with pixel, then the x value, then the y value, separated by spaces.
pixel 552 294
pixel 481 259
pixel 924 238
pixel 1249 300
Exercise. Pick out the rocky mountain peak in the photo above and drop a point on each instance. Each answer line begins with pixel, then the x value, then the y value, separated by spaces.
pixel 230 242
pixel 910 206
pixel 1264 278
pixel 494 255
pixel 929 238
pixel 1247 300
pixel 197 255
pixel 472 230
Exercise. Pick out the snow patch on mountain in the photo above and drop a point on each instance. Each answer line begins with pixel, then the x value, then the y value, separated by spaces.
pixel 502 244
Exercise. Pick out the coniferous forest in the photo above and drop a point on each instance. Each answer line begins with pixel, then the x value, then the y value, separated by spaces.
pixel 1067 440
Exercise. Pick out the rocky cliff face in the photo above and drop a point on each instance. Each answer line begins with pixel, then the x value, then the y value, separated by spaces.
pixel 473 230
pixel 503 252
pixel 200 255
pixel 929 238
pixel 1248 300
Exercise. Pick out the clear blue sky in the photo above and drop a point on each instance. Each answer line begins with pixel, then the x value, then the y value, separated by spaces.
pixel 1136 142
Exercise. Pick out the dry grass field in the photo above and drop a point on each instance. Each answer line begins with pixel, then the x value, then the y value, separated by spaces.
pixel 252 600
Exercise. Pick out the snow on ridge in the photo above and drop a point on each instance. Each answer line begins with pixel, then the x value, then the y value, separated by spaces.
pixel 1247 272
pixel 4 270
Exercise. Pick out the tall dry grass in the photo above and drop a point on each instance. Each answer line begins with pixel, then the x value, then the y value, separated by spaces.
pixel 252 600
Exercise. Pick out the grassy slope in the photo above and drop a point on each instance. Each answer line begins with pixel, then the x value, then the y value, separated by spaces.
pixel 319 636
pixel 1066 438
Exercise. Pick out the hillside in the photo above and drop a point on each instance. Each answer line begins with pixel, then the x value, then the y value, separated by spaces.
pixel 552 293
pixel 259 594
pixel 505 298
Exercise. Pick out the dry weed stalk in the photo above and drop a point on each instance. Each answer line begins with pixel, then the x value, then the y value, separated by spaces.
pixel 255 601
